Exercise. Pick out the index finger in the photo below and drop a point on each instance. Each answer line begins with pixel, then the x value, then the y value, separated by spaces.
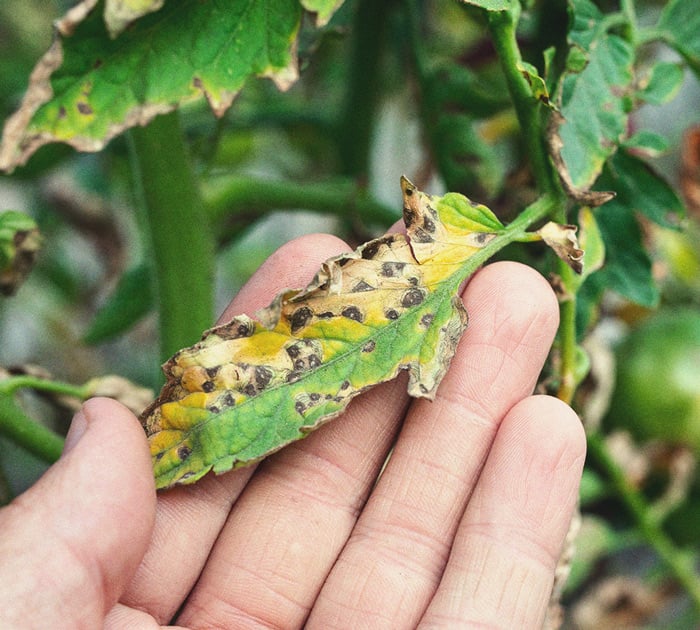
pixel 189 518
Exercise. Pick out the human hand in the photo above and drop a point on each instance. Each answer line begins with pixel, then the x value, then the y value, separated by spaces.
pixel 463 527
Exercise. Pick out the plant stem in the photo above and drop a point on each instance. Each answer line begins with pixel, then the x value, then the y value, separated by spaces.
pixel 10 385
pixel 363 87
pixel 182 246
pixel 35 438
pixel 567 339
pixel 678 562
pixel 340 196
pixel 527 108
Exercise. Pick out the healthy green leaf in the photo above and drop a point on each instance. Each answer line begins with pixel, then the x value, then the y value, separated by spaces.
pixel 492 5
pixel 593 102
pixel 662 84
pixel 640 189
pixel 680 26
pixel 251 386
pixel 648 143
pixel 89 88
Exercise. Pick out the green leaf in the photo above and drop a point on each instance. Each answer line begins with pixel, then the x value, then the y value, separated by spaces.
pixel 131 300
pixel 591 241
pixel 640 189
pixel 324 9
pixel 492 5
pixel 593 105
pixel 662 83
pixel 251 386
pixel 680 27
pixel 647 142
pixel 535 81
pixel 89 88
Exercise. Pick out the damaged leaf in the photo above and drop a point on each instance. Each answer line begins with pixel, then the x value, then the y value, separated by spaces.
pixel 253 385
pixel 90 87
pixel 562 239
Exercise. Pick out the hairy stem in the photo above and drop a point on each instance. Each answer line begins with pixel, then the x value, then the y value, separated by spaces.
pixel 182 245
pixel 35 438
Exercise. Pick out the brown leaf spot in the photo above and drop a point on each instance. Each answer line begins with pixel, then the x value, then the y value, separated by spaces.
pixel 392 314
pixel 263 376
pixel 361 287
pixel 369 346
pixel 391 269
pixel 427 319
pixel 183 452
pixel 300 318
pixel 84 108
pixel 208 386
pixel 352 312
pixel 300 407
pixel 344 385
pixel 326 315
pixel 315 397
pixel 412 297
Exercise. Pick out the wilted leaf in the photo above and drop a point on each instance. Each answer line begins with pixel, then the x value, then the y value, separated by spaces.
pixel 562 239
pixel 19 244
pixel 89 88
pixel 251 386
pixel 127 393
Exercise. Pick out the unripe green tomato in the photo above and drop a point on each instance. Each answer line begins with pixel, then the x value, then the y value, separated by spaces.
pixel 657 392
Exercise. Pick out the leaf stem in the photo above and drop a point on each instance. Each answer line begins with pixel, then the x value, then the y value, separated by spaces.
pixel 678 562
pixel 568 381
pixel 342 196
pixel 10 385
pixel 502 25
pixel 181 243
pixel 35 438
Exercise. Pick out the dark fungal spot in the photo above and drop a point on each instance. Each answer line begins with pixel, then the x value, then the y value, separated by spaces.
pixel 300 318
pixel 214 409
pixel 212 371
pixel 314 360
pixel 244 330
pixel 370 250
pixel 159 456
pixel 228 399
pixel 412 297
pixel 409 217
pixel 341 262
pixel 427 319
pixel 326 315
pixel 362 286
pixel 61 112
pixel 391 269
pixel 481 237
pixel 263 376
pixel 369 346
pixel 421 236
pixel 352 312
pixel 293 376
pixel 299 364
pixel 208 386
pixel 413 281
pixel 183 452
pixel 84 108
pixel 328 396
pixel 293 351
pixel 249 390
pixel 300 407
pixel 344 385
pixel 315 396
pixel 391 314
pixel 428 224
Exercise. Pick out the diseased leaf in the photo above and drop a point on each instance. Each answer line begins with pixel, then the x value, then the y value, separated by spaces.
pixel 662 83
pixel 120 13
pixel 562 239
pixel 251 386
pixel 324 9
pixel 88 87
pixel 680 25
pixel 593 103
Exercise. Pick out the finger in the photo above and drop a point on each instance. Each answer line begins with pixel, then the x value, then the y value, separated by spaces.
pixel 502 563
pixel 189 518
pixel 398 550
pixel 71 543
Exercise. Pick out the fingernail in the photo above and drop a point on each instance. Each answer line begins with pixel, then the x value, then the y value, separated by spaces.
pixel 76 431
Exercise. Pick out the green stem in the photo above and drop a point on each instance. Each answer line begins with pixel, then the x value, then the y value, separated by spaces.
pixel 35 438
pixel 678 563
pixel 363 87
pixel 12 384
pixel 502 25
pixel 342 196
pixel 182 246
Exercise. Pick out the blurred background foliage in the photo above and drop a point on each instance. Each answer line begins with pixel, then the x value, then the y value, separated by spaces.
pixel 370 105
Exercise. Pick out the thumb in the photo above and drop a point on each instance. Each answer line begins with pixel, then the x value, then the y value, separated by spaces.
pixel 72 542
